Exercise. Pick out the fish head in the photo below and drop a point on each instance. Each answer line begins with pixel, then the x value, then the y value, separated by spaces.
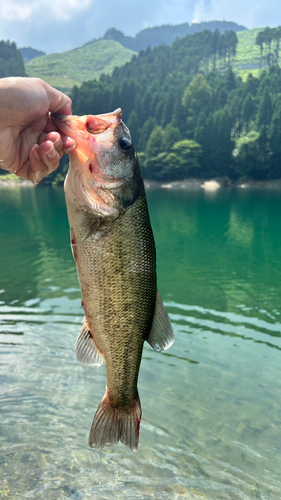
pixel 104 175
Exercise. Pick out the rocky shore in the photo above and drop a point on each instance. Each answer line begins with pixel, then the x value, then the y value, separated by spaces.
pixel 213 184
pixel 187 184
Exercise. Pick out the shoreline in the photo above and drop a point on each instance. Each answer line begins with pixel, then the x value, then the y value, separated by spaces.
pixel 212 184
pixel 15 182
pixel 187 184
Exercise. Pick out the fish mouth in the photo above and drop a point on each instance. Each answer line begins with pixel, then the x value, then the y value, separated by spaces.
pixel 87 182
pixel 78 127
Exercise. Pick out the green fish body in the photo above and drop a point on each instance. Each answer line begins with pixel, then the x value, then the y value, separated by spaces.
pixel 114 251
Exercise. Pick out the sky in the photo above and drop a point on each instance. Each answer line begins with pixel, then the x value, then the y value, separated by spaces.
pixel 59 25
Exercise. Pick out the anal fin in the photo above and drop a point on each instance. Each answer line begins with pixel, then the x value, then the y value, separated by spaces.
pixel 161 335
pixel 85 349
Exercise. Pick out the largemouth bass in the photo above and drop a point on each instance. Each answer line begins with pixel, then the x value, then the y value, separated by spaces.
pixel 113 248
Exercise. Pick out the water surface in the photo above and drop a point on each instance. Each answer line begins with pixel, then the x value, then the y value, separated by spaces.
pixel 211 426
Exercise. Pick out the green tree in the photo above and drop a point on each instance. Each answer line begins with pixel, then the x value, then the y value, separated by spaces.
pixel 230 80
pixel 179 113
pixel 251 85
pixel 167 111
pixel 264 113
pixel 174 165
pixel 145 132
pixel 246 154
pixel 221 97
pixel 133 125
pixel 248 111
pixel 188 153
pixel 215 42
pixel 222 142
pixel 11 61
pixel 235 115
pixel 127 97
pixel 263 144
pixel 203 136
pixel 171 135
pixel 274 136
pixel 260 42
pixel 197 96
pixel 115 98
pixel 155 144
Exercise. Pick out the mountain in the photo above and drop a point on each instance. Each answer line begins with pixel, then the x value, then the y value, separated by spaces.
pixel 66 69
pixel 188 112
pixel 167 34
pixel 28 53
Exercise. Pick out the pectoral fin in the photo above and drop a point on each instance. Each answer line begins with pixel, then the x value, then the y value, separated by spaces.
pixel 85 349
pixel 161 335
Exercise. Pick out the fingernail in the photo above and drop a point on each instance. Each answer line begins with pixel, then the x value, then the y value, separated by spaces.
pixel 57 141
pixel 70 149
pixel 51 154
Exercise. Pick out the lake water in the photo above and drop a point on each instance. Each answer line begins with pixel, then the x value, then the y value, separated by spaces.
pixel 211 426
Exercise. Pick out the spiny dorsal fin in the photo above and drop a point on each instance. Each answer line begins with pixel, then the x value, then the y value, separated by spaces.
pixel 161 335
pixel 85 349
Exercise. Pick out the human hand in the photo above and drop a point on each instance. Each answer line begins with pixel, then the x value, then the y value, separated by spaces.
pixel 30 143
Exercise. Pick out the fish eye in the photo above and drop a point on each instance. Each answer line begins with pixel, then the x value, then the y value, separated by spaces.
pixel 125 144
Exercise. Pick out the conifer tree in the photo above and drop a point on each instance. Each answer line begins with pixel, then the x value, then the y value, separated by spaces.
pixel 171 135
pixel 222 143
pixel 264 113
pixel 248 111
pixel 145 133
pixel 134 125
pixel 274 135
pixel 155 144
pixel 197 96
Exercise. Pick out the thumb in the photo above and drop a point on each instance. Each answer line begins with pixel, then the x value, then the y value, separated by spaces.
pixel 58 101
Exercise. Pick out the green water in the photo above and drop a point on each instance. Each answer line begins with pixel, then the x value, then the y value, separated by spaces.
pixel 211 426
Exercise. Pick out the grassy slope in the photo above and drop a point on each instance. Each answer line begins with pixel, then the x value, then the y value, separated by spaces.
pixel 248 53
pixel 63 70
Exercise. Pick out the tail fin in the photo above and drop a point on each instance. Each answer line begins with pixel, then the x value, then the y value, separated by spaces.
pixel 112 424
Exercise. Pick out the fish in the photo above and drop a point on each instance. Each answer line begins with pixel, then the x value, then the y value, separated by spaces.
pixel 114 252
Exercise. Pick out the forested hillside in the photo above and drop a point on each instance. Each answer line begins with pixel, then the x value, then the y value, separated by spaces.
pixel 11 61
pixel 189 114
pixel 167 34
pixel 63 70
pixel 187 118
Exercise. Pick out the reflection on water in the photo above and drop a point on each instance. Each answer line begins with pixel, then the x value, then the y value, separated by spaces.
pixel 211 425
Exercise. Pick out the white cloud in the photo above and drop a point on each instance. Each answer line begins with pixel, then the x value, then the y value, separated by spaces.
pixel 13 11
pixel 58 25
pixel 66 9
pixel 251 14
pixel 18 10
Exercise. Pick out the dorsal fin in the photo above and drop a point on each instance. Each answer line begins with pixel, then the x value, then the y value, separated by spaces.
pixel 85 349
pixel 161 335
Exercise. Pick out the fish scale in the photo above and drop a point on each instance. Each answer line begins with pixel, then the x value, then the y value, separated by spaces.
pixel 118 285
pixel 114 252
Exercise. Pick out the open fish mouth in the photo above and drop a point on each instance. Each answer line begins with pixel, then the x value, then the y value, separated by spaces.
pixel 79 126
pixel 88 179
